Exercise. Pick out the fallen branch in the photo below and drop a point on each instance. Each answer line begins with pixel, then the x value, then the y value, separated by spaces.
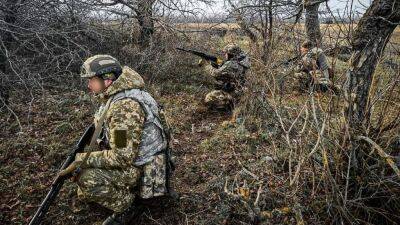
pixel 383 154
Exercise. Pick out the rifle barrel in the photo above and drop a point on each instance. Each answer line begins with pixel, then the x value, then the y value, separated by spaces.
pixel 44 207
pixel 200 54
pixel 59 181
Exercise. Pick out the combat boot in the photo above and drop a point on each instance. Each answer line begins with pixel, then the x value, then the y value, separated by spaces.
pixel 121 218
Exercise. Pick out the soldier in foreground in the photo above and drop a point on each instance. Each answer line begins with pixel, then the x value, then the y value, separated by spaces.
pixel 129 159
pixel 314 71
pixel 229 79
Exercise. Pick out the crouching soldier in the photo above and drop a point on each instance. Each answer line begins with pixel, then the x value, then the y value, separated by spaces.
pixel 129 158
pixel 314 71
pixel 229 79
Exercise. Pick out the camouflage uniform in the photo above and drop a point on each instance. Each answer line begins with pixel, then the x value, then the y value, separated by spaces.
pixel 314 70
pixel 229 79
pixel 109 176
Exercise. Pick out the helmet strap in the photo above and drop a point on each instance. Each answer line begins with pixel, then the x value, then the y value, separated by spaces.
pixel 105 86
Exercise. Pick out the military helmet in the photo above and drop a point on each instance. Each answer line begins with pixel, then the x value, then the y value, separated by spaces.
pixel 99 65
pixel 233 50
pixel 307 44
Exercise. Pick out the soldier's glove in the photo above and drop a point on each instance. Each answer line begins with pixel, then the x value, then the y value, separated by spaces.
pixel 71 169
pixel 201 62
pixel 215 65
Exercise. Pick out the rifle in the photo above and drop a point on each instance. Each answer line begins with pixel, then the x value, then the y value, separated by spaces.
pixel 215 61
pixel 59 181
pixel 287 62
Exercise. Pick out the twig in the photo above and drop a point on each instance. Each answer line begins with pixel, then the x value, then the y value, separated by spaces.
pixel 12 112
pixel 381 153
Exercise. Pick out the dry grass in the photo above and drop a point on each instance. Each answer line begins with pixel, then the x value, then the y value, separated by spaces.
pixel 286 149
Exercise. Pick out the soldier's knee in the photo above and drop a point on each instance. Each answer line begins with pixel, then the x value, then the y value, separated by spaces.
pixel 89 178
pixel 218 100
pixel 208 98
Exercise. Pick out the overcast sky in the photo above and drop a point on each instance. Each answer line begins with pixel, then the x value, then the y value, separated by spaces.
pixel 335 5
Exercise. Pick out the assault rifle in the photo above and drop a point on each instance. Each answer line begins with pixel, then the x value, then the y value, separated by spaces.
pixel 215 61
pixel 59 181
pixel 287 62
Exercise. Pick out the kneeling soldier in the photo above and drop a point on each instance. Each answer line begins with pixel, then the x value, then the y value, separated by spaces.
pixel 229 79
pixel 129 158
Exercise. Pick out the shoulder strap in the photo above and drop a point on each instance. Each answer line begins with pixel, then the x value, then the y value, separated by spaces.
pixel 143 98
pixel 98 128
pixel 99 124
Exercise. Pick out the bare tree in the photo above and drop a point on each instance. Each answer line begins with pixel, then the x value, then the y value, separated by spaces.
pixel 142 11
pixel 369 41
pixel 257 17
pixel 146 23
pixel 312 21
pixel 145 12
pixel 368 44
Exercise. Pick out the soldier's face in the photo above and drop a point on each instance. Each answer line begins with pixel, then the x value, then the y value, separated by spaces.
pixel 303 50
pixel 226 56
pixel 96 85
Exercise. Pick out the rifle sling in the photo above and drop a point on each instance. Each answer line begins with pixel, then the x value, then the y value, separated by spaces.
pixel 96 133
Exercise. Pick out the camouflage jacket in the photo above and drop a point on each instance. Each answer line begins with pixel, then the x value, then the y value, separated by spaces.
pixel 315 59
pixel 123 125
pixel 232 74
pixel 133 141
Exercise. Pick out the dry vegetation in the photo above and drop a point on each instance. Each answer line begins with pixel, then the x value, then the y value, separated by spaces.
pixel 283 161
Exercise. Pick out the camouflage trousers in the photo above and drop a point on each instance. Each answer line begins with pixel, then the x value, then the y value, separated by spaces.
pixel 111 188
pixel 316 81
pixel 219 100
pixel 153 182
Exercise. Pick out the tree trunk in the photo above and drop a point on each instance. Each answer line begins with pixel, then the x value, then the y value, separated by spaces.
pixel 245 27
pixel 267 32
pixel 145 18
pixel 270 15
pixel 369 41
pixel 312 22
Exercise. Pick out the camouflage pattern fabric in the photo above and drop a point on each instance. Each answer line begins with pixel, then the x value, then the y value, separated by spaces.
pixel 304 80
pixel 124 121
pixel 154 142
pixel 109 188
pixel 219 99
pixel 153 179
pixel 315 59
pixel 315 80
pixel 314 71
pixel 233 50
pixel 98 65
pixel 108 176
pixel 229 79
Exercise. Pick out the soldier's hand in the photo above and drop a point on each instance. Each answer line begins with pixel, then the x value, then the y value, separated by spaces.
pixel 215 65
pixel 70 169
pixel 201 62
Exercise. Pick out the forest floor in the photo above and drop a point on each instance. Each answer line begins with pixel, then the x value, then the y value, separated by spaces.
pixel 54 121
pixel 208 147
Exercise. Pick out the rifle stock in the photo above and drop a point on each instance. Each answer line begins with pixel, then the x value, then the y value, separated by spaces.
pixel 59 181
